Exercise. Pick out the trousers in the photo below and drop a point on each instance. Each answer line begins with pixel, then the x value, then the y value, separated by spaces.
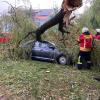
pixel 84 60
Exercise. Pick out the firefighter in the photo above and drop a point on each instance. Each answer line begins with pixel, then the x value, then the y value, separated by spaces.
pixel 97 36
pixel 85 42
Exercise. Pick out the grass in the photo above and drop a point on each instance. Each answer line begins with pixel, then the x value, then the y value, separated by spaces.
pixel 34 80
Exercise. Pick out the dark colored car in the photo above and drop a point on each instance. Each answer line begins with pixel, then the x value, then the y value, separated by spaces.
pixel 48 51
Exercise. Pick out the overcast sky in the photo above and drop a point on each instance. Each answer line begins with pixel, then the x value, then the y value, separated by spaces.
pixel 36 4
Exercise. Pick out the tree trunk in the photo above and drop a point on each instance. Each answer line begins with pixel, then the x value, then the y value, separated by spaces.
pixel 57 19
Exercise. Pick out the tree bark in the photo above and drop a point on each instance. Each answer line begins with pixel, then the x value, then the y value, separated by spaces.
pixel 61 18
pixel 57 19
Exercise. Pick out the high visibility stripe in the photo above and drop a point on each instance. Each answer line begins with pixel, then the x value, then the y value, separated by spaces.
pixel 89 62
pixel 84 42
pixel 87 37
pixel 79 62
pixel 85 49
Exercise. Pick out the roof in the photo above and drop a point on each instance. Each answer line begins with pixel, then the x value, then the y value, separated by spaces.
pixel 43 14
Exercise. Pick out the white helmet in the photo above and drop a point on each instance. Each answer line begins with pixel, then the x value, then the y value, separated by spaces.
pixel 98 30
pixel 85 29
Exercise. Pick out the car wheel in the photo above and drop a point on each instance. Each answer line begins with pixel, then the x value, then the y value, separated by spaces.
pixel 62 60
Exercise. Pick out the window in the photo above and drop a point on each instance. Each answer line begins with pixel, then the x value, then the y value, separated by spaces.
pixel 44 45
pixel 36 44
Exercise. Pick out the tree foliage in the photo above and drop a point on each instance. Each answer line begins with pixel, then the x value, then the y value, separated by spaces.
pixel 91 18
pixel 20 23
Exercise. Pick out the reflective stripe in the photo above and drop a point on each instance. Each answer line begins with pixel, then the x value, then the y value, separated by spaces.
pixel 84 42
pixel 78 39
pixel 79 62
pixel 89 62
pixel 87 37
pixel 85 49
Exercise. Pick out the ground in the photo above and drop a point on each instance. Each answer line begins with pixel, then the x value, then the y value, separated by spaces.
pixel 34 80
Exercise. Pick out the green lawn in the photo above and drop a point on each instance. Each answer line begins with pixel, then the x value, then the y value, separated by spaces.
pixel 34 80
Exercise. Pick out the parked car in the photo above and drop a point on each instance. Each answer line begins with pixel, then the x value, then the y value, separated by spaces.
pixel 47 51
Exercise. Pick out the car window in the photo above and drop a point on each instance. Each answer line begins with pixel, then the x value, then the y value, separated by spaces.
pixel 44 45
pixel 51 46
pixel 37 44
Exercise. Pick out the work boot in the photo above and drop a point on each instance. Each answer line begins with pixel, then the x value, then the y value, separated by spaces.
pixel 79 66
pixel 89 64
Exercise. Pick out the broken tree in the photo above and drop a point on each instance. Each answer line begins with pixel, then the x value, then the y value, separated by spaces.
pixel 62 17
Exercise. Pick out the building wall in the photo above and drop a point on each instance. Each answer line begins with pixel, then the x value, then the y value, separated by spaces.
pixel 43 15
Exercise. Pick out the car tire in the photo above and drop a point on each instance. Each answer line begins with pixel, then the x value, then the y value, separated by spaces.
pixel 62 60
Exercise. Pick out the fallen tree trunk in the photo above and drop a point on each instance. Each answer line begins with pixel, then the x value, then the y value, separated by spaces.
pixel 74 3
pixel 60 17
pixel 57 19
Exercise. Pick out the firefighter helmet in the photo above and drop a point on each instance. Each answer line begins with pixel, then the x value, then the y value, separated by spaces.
pixel 98 30
pixel 85 29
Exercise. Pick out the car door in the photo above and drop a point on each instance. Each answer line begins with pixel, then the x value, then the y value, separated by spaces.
pixel 36 50
pixel 51 50
pixel 47 50
pixel 44 52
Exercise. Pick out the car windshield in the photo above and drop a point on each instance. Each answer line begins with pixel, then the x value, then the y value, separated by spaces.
pixel 50 45
pixel 37 44
pixel 44 44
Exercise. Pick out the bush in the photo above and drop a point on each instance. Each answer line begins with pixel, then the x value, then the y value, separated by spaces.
pixel 96 53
